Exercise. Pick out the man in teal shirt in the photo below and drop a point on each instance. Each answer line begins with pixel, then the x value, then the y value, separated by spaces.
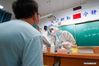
pixel 20 43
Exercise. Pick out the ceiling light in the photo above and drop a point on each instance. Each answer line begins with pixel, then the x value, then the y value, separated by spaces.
pixel 1 7
pixel 45 16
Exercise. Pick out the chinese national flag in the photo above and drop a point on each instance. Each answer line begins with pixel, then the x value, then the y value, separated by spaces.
pixel 77 16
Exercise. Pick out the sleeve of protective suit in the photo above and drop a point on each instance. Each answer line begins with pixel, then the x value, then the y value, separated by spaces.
pixel 52 39
pixel 32 54
pixel 46 42
pixel 68 37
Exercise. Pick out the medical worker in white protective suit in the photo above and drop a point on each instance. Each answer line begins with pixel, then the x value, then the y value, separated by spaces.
pixel 61 39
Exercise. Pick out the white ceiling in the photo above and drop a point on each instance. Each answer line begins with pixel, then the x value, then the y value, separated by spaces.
pixel 47 6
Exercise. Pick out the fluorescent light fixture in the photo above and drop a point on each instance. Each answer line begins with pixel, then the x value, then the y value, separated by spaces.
pixel 45 16
pixel 1 7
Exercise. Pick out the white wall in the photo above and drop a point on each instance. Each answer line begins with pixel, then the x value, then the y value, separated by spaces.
pixel 87 7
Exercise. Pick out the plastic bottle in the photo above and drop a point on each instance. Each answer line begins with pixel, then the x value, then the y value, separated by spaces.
pixel 52 48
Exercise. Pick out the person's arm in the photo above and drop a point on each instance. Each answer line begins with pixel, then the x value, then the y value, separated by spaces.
pixel 32 54
pixel 46 42
pixel 69 37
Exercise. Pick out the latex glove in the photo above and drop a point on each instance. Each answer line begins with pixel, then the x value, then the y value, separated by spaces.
pixel 67 45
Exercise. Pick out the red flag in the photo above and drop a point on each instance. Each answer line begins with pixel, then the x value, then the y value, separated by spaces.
pixel 76 16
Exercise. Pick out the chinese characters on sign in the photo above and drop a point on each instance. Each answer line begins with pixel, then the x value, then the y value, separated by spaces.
pixel 92 12
pixel 76 16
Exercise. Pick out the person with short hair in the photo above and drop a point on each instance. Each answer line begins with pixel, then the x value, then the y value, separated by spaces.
pixel 20 43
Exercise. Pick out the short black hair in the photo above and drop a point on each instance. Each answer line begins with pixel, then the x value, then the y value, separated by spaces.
pixel 25 8
pixel 45 28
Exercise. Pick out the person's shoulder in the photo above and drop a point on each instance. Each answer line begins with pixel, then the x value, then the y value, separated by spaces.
pixel 20 26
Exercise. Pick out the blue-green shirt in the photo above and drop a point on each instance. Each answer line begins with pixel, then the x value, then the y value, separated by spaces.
pixel 20 44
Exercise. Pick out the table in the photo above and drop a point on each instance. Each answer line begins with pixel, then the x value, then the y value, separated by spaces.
pixel 79 60
pixel 71 59
pixel 50 59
